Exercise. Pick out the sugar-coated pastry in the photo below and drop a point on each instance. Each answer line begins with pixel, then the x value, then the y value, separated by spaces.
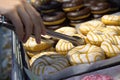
pixel 85 54
pixel 67 30
pixel 92 25
pixel 111 19
pixel 32 46
pixel 63 46
pixel 48 64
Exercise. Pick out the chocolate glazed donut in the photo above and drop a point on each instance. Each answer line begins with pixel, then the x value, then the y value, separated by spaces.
pixel 100 8
pixel 54 18
pixel 79 14
pixel 49 7
pixel 72 5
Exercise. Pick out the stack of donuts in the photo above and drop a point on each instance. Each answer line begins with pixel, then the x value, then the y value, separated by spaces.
pixel 76 12
pixel 59 13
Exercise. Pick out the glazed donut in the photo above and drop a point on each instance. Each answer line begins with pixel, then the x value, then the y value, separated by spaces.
pixel 32 46
pixel 66 30
pixel 63 46
pixel 115 28
pixel 72 5
pixel 85 54
pixel 54 18
pixel 74 23
pixel 92 25
pixel 31 54
pixel 111 46
pixel 50 7
pixel 79 14
pixel 48 64
pixel 55 27
pixel 38 3
pixel 96 38
pixel 100 8
pixel 111 20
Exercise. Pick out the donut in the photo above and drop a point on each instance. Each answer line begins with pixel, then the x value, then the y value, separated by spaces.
pixel 66 30
pixel 55 27
pixel 32 46
pixel 97 77
pixel 96 38
pixel 63 46
pixel 111 20
pixel 50 7
pixel 100 8
pixel 92 25
pixel 63 1
pixel 79 14
pixel 74 23
pixel 31 54
pixel 115 28
pixel 54 18
pixel 85 54
pixel 38 3
pixel 72 5
pixel 48 63
pixel 111 46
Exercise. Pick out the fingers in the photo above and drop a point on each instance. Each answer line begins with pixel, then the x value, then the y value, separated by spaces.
pixel 19 29
pixel 38 25
pixel 26 22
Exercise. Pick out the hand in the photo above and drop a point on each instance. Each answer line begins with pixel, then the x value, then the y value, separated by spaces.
pixel 24 17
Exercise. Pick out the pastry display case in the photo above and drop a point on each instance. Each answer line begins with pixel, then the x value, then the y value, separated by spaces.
pixel 80 40
pixel 21 67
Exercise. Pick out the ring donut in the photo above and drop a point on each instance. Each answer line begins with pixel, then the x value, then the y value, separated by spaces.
pixel 92 25
pixel 111 20
pixel 54 18
pixel 72 5
pixel 48 63
pixel 79 14
pixel 111 46
pixel 32 46
pixel 85 54
pixel 100 8
pixel 49 7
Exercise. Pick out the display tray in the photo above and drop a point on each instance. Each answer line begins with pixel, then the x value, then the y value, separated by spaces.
pixel 21 69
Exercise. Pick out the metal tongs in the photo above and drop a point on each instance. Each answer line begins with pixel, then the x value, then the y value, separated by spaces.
pixel 75 40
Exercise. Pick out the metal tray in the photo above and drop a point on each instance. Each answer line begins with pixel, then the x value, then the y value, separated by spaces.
pixel 21 69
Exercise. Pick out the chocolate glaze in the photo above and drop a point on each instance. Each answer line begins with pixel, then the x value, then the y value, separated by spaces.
pixel 99 6
pixel 50 5
pixel 53 16
pixel 81 12
pixel 72 3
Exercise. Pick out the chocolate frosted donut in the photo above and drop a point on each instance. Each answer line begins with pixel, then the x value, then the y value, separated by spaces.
pixel 49 7
pixel 79 14
pixel 54 18
pixel 100 8
pixel 72 5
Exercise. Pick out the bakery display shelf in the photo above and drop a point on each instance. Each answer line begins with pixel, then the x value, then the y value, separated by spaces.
pixel 21 69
